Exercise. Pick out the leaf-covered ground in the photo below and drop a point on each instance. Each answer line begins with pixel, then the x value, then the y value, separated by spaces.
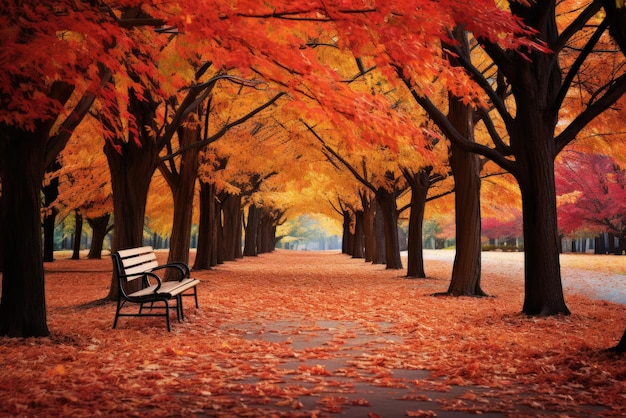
pixel 300 334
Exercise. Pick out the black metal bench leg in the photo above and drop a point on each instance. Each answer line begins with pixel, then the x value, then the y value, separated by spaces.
pixel 179 303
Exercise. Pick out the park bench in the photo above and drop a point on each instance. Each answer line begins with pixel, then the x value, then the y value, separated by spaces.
pixel 140 264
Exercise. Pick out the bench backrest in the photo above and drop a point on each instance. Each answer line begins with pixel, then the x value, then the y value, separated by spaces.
pixel 135 261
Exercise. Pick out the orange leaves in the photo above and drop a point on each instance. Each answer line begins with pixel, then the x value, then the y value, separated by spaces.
pixel 303 334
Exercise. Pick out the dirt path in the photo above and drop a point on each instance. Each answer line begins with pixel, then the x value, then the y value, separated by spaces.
pixel 315 334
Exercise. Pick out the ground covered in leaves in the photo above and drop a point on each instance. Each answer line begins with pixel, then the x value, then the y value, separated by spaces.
pixel 300 334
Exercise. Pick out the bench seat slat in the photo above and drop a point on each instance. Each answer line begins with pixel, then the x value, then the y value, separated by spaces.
pixel 144 258
pixel 135 271
pixel 135 251
pixel 167 288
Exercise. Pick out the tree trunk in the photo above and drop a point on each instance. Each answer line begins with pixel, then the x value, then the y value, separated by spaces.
pixel 2 235
pixel 465 167
pixel 542 270
pixel 100 228
pixel 239 234
pixel 387 203
pixel 252 231
pixel 466 270
pixel 231 211
pixel 22 165
pixel 50 193
pixel 369 214
pixel 182 183
pixel 379 233
pixel 131 173
pixel 78 232
pixel 535 87
pixel 358 244
pixel 346 245
pixel 207 232
pixel 267 233
pixel 420 183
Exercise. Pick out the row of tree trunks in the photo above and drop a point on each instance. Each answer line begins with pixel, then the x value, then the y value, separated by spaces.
pixel 364 232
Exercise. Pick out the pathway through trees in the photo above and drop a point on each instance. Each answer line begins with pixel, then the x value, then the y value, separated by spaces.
pixel 316 334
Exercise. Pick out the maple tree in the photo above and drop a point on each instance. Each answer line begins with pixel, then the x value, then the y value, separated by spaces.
pixel 49 83
pixel 592 194
pixel 85 184
pixel 271 40
pixel 530 129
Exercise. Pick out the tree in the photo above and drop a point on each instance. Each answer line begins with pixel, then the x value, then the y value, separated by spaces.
pixel 539 92
pixel 592 193
pixel 46 93
pixel 85 184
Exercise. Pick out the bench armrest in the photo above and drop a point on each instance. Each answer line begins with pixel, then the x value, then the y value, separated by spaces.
pixel 147 275
pixel 182 268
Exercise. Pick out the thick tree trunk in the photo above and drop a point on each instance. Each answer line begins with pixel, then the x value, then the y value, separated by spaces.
pixel 100 228
pixel 420 183
pixel 2 235
pixel 252 231
pixel 535 87
pixel 543 287
pixel 542 271
pixel 466 270
pixel 387 203
pixel 131 173
pixel 22 165
pixel 78 232
pixel 465 167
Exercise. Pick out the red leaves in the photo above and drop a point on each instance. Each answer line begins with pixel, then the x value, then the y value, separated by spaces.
pixel 333 335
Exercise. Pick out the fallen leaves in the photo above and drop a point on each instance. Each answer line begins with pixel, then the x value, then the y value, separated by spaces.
pixel 353 337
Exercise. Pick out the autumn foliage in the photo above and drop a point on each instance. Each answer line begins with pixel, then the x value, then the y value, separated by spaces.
pixel 298 334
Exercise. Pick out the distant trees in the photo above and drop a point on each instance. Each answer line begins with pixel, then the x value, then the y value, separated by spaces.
pixel 592 194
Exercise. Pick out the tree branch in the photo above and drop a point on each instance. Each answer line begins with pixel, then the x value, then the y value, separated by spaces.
pixel 614 92
pixel 225 128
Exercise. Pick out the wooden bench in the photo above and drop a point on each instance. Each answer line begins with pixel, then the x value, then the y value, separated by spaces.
pixel 140 264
